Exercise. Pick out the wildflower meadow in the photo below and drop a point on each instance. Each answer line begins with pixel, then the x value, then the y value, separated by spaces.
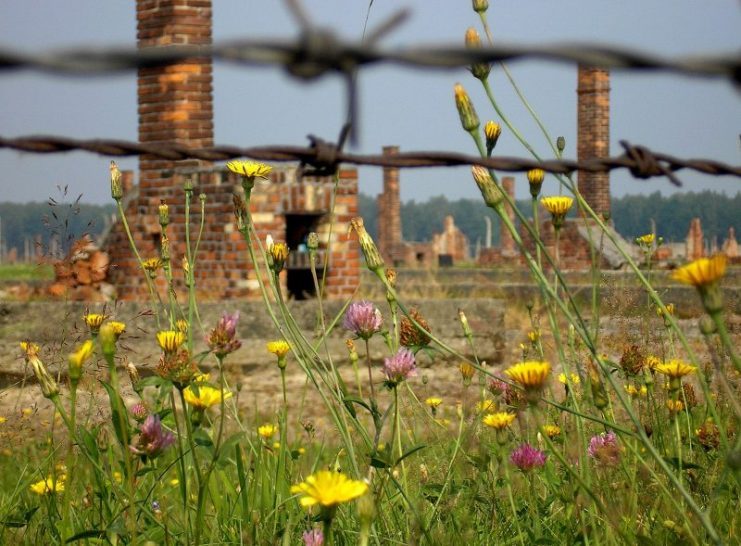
pixel 576 439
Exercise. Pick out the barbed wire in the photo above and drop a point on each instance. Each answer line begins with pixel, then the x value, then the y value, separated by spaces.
pixel 325 157
pixel 319 51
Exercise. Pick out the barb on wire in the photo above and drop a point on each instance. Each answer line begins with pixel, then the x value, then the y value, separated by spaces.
pixel 322 50
pixel 639 160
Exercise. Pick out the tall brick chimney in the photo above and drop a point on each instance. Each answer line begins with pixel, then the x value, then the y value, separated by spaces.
pixel 593 134
pixel 389 211
pixel 175 102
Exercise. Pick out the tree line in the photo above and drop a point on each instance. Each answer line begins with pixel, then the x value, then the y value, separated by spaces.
pixel 632 215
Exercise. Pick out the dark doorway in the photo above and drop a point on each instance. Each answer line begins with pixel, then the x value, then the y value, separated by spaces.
pixel 299 281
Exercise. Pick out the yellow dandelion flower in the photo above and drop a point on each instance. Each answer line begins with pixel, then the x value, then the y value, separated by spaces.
pixel 551 430
pixel 117 477
pixel 174 482
pixel 499 420
pixel 674 406
pixel 675 368
pixel 533 336
pixel 249 169
pixel 79 357
pixel 329 489
pixel 557 205
pixel 151 265
pixel 117 328
pixel 486 405
pixel 433 402
pixel 535 176
pixel 703 271
pixel 646 240
pixel 572 379
pixel 93 321
pixel 276 445
pixel 181 325
pixel 267 431
pixel 48 486
pixel 30 349
pixel 170 340
pixel 3 419
pixel 467 371
pixel 530 375
pixel 203 396
pixel 652 362
pixel 279 348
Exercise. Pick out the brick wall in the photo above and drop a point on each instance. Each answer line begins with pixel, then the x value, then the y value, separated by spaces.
pixel 593 134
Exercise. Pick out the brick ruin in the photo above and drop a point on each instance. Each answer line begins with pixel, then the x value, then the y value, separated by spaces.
pixel 176 106
pixel 446 248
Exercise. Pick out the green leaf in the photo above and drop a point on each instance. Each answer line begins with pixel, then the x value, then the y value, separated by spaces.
pixel 685 465
pixel 379 463
pixel 201 438
pixel 118 416
pixel 411 451
pixel 90 533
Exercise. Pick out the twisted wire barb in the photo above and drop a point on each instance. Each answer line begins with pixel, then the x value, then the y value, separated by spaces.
pixel 318 51
pixel 324 157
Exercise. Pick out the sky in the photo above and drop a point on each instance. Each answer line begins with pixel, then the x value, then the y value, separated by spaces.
pixel 414 109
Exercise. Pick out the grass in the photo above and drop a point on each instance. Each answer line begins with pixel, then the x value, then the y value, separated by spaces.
pixel 26 272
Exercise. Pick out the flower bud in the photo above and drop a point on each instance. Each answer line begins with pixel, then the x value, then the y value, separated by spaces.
pixel 165 248
pixel 469 119
pixel 491 193
pixel 312 241
pixel 116 183
pixel 373 259
pixel 164 214
pixel 535 178
pixel 133 373
pixel 188 184
pixel 480 6
pixel 108 339
pixel 707 325
pixel 240 212
pixel 492 130
pixel 480 71
pixel 464 324
pixel 49 387
pixel 278 254
pixel 560 144
pixel 77 359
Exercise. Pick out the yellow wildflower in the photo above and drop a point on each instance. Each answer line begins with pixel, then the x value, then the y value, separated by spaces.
pixel 78 358
pixel 170 340
pixel 93 321
pixel 703 271
pixel 645 240
pixel 117 328
pixel 433 402
pixel 533 336
pixel 203 396
pixel 30 349
pixel 467 371
pixel 47 486
pixel 499 420
pixel 3 419
pixel 329 489
pixel 279 348
pixel 551 430
pixel 249 169
pixel 466 111
pixel 573 379
pixel 151 265
pixel 486 405
pixel 652 362
pixel 181 325
pixel 674 406
pixel 675 368
pixel 267 431
pixel 531 374
pixel 536 176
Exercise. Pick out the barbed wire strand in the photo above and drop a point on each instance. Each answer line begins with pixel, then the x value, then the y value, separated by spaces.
pixel 319 51
pixel 324 157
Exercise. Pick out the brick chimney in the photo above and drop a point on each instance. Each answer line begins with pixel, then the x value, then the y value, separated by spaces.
pixel 175 102
pixel 593 134
pixel 389 210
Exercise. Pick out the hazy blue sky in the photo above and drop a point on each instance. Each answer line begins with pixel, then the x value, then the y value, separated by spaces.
pixel 410 108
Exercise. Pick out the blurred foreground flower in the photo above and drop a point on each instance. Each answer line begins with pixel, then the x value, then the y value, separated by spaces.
pixel 77 359
pixel 223 339
pixel 315 537
pixel 47 486
pixel 153 438
pixel 363 319
pixel 399 367
pixel 526 457
pixel 329 489
pixel 704 275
